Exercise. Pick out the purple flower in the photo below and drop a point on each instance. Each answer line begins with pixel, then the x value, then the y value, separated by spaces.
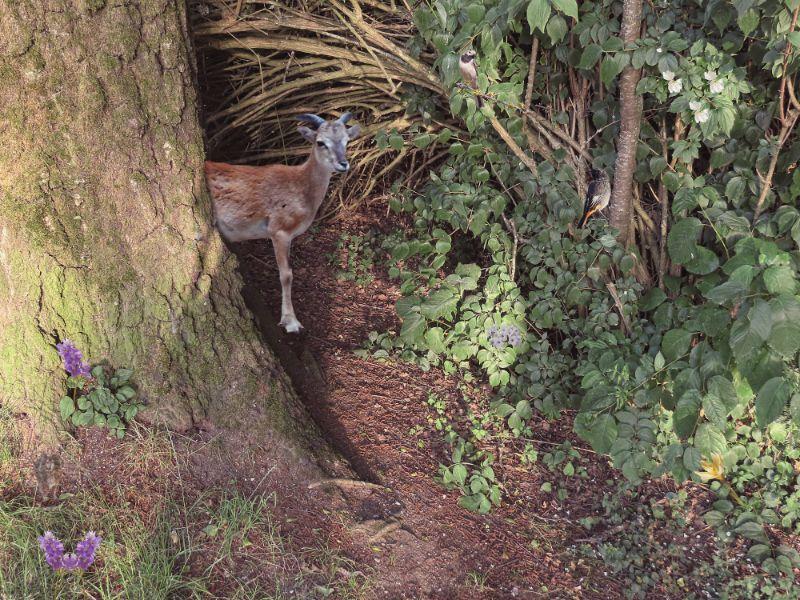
pixel 70 561
pixel 87 548
pixel 507 334
pixel 53 549
pixel 82 558
pixel 73 359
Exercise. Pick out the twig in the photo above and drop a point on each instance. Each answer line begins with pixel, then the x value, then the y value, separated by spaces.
pixel 766 181
pixel 612 289
pixel 347 484
pixel 531 73
pixel 513 229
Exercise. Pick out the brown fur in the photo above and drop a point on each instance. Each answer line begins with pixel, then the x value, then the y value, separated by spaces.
pixel 279 202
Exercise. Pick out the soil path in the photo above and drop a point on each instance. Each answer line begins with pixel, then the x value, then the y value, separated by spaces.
pixel 416 537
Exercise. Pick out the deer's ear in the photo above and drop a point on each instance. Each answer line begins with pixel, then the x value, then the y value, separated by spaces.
pixel 309 134
pixel 353 132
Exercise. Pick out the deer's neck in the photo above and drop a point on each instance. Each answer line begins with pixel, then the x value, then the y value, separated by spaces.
pixel 317 178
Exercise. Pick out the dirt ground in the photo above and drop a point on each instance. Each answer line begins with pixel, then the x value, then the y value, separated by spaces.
pixel 402 528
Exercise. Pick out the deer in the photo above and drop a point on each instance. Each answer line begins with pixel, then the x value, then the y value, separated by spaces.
pixel 279 201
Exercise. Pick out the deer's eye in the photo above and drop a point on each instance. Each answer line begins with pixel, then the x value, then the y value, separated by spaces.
pixel 321 144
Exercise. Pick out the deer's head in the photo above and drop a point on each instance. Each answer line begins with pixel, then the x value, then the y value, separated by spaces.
pixel 330 139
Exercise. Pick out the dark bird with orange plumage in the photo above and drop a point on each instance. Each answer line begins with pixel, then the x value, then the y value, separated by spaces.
pixel 597 197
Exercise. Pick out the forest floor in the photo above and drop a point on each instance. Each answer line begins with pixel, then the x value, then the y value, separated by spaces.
pixel 205 518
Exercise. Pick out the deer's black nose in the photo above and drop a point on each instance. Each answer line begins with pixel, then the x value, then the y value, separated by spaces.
pixel 343 165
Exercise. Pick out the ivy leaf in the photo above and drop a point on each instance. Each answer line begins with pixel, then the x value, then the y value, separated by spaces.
pixel 723 388
pixel 538 12
pixel 771 400
pixel 568 7
pixel 652 299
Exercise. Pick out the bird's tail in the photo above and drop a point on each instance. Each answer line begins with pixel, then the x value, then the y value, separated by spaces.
pixel 588 211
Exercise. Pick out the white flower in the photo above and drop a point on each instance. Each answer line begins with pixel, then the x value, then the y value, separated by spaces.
pixel 695 105
pixel 710 75
pixel 668 75
pixel 702 116
pixel 675 86
pixel 659 50
pixel 716 86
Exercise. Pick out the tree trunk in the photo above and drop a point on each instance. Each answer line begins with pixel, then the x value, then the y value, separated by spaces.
pixel 630 104
pixel 105 223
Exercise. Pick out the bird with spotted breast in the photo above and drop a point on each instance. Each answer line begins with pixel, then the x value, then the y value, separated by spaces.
pixel 598 195
pixel 469 72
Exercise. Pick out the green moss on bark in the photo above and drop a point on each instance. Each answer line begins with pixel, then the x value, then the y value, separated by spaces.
pixel 105 234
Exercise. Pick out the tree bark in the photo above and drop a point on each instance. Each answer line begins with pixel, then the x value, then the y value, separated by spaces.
pixel 106 235
pixel 630 104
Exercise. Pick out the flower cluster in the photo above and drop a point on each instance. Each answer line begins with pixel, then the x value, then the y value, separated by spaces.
pixel 673 85
pixel 73 359
pixel 82 558
pixel 506 334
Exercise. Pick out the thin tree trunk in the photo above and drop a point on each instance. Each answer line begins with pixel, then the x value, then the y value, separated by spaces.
pixel 630 118
pixel 106 233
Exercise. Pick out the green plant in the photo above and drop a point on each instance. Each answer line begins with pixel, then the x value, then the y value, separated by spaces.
pixel 354 259
pixel 101 400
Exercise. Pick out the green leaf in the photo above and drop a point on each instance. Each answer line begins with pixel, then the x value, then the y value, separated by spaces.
pixel 734 189
pixel 127 391
pixel 687 412
pixel 568 7
pixel 460 474
pixel 440 304
pixel 715 409
pixel 682 239
pixel 785 335
pixel 780 279
pixel 652 299
pixel 413 326
pixel 752 531
pixel 609 69
pixel 748 21
pixel 725 292
pixel 538 12
pixel 434 338
pixel 709 440
pixel 123 375
pixel 675 343
pixel 67 407
pixel 602 433
pixel 760 317
pixel 771 400
pixel 591 54
pixel 703 263
pixel 723 388
pixel 130 413
pixel 556 29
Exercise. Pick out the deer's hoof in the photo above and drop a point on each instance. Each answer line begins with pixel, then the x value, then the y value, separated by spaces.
pixel 291 324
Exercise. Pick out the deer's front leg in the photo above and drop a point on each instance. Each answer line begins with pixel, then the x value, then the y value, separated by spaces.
pixel 282 244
